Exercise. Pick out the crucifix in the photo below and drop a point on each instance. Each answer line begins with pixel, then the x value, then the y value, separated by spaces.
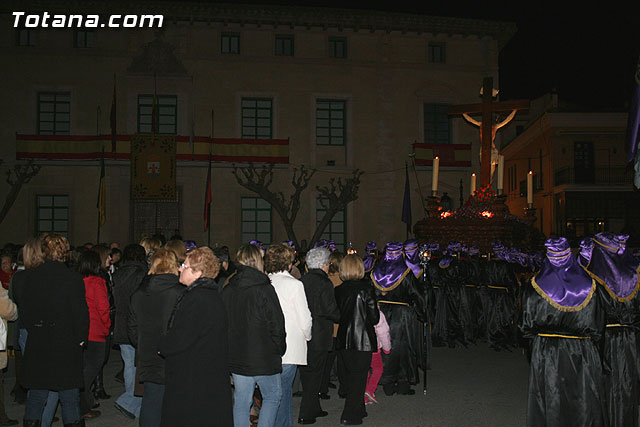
pixel 488 126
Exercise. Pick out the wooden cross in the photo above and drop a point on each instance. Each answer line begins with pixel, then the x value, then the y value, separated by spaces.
pixel 488 127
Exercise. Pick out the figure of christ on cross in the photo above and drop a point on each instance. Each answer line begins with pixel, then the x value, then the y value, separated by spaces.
pixel 488 128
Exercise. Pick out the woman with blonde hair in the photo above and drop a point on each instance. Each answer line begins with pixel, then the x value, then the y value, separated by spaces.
pixel 256 337
pixel 179 248
pixel 150 244
pixel 53 309
pixel 149 311
pixel 356 338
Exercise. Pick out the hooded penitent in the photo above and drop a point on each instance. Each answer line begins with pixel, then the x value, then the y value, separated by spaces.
pixel 390 270
pixel 562 281
pixel 411 257
pixel 613 266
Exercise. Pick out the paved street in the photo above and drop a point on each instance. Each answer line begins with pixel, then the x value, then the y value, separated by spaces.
pixel 474 387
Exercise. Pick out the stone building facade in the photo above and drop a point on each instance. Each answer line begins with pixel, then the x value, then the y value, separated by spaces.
pixel 332 89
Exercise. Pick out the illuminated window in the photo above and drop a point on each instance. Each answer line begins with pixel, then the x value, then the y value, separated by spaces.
pixel 25 37
pixel 330 122
pixel 284 45
pixel 437 53
pixel 166 114
pixel 54 113
pixel 83 38
pixel 256 118
pixel 337 47
pixel 256 220
pixel 52 214
pixel 436 124
pixel 230 43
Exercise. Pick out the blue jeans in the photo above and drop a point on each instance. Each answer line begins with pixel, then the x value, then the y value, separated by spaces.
pixel 284 417
pixel 127 400
pixel 271 389
pixel 69 399
pixel 52 400
pixel 151 407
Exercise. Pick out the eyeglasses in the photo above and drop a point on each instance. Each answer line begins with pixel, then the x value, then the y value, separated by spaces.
pixel 183 265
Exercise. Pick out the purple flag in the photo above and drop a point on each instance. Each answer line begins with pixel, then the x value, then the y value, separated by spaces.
pixel 633 122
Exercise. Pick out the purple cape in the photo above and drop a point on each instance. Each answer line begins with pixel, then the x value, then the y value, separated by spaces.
pixel 389 272
pixel 562 281
pixel 614 267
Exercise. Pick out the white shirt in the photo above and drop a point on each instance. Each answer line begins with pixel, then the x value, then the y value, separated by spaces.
pixel 297 317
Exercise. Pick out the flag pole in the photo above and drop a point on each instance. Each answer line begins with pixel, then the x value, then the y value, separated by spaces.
pixel 209 183
pixel 209 208
pixel 98 135
pixel 100 202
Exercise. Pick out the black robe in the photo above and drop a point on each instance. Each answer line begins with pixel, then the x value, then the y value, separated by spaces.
pixel 620 358
pixel 404 312
pixel 565 379
pixel 197 379
pixel 500 304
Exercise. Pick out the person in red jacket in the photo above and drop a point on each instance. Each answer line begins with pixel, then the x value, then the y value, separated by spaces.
pixel 99 323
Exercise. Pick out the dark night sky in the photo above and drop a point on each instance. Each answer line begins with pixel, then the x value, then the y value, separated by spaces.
pixel 588 56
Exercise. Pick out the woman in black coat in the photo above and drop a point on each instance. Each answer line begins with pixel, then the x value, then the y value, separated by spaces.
pixel 256 337
pixel 149 311
pixel 197 383
pixel 53 309
pixel 356 338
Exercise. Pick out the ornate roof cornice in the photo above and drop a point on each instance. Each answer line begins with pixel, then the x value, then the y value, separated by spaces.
pixel 291 16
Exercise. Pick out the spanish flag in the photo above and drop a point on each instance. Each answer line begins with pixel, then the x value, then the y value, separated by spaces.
pixel 101 190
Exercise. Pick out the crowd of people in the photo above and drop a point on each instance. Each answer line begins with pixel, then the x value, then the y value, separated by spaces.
pixel 208 341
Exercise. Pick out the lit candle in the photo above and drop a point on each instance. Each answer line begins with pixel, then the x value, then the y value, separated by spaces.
pixel 530 188
pixel 500 173
pixel 473 183
pixel 434 175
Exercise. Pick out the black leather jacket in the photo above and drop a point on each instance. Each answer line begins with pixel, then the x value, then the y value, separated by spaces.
pixel 358 316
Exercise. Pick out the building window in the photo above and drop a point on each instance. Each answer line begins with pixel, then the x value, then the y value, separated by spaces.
pixel 284 45
pixel 52 214
pixel 54 113
pixel 83 38
pixel 25 37
pixel 436 124
pixel 337 47
pixel 166 115
pixel 230 43
pixel 437 53
pixel 330 122
pixel 256 220
pixel 337 229
pixel 257 118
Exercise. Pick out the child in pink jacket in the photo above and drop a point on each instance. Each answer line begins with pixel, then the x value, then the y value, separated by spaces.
pixel 384 344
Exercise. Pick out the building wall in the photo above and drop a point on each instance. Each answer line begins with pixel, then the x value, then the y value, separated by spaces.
pixel 385 80
pixel 554 135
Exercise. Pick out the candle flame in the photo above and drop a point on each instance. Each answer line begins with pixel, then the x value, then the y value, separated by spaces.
pixel 487 214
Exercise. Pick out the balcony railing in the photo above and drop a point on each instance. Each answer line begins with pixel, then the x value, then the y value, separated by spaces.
pixel 595 176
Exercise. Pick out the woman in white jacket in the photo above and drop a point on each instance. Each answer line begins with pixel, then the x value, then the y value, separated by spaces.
pixel 278 260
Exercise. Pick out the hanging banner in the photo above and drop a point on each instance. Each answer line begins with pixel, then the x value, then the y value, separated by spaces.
pixel 153 167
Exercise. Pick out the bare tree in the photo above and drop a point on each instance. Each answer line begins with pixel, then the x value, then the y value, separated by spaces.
pixel 16 178
pixel 259 180
pixel 334 197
